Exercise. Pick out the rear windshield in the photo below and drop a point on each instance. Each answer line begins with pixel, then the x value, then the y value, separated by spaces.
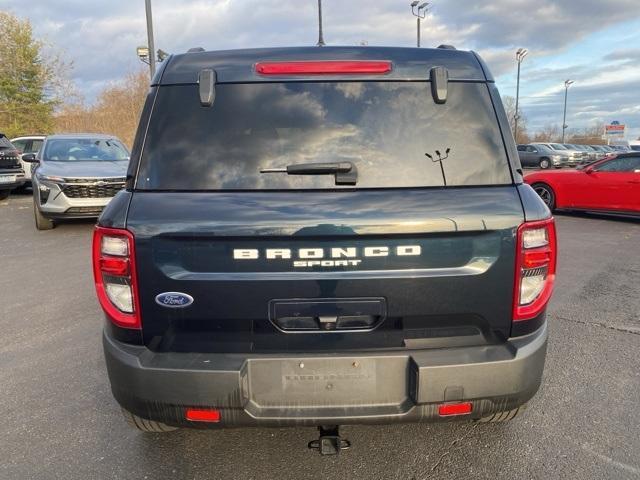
pixel 384 128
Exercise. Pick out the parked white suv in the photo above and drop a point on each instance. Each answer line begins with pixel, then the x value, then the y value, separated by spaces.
pixel 28 144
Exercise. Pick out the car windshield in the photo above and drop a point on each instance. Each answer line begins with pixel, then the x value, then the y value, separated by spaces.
pixel 557 146
pixel 84 150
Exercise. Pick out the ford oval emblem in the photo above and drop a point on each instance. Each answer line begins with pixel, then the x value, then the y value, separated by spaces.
pixel 174 299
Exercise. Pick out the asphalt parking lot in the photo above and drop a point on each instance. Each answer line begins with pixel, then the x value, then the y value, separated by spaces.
pixel 59 420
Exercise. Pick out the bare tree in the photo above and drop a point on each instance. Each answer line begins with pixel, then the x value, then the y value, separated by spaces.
pixel 116 111
pixel 510 107
pixel 549 133
pixel 589 136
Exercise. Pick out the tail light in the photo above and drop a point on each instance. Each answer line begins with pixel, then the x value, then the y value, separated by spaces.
pixel 114 271
pixel 536 254
pixel 337 67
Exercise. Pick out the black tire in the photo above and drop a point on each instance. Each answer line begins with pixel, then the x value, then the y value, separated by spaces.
pixel 4 194
pixel 144 425
pixel 546 193
pixel 504 416
pixel 42 222
pixel 544 163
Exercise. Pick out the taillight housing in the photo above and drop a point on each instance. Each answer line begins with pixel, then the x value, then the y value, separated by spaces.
pixel 536 257
pixel 114 271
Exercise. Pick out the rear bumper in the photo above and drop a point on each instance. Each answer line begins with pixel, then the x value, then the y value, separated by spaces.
pixel 287 390
pixel 17 179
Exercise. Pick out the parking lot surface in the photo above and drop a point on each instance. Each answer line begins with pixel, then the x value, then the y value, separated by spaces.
pixel 59 420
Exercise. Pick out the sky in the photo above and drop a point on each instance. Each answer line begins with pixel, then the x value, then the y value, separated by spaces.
pixel 594 43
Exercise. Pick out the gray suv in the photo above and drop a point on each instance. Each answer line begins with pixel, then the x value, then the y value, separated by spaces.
pixel 76 176
pixel 541 156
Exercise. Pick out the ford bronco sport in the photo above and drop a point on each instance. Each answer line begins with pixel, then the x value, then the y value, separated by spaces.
pixel 320 237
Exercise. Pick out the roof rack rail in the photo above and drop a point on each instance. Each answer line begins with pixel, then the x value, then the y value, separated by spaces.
pixel 195 49
pixel 444 46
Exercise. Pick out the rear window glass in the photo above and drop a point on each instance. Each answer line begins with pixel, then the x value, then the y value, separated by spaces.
pixel 384 128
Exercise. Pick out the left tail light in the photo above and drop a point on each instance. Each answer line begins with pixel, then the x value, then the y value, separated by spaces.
pixel 114 271
pixel 536 256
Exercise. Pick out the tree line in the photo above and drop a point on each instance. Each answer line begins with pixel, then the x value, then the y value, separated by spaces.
pixel 36 96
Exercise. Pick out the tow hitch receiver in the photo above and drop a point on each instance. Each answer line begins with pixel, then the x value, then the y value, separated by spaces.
pixel 329 442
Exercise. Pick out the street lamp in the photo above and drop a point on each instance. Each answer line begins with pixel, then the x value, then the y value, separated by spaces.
pixel 420 13
pixel 151 57
pixel 143 54
pixel 567 84
pixel 520 54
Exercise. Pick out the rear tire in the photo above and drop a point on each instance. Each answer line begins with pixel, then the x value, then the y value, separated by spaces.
pixel 546 193
pixel 4 194
pixel 144 425
pixel 42 222
pixel 544 164
pixel 504 416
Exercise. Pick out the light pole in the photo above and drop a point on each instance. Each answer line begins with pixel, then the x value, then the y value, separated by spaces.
pixel 320 36
pixel 520 54
pixel 419 14
pixel 567 84
pixel 152 56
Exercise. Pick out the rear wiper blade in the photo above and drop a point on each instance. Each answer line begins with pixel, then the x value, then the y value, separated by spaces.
pixel 346 173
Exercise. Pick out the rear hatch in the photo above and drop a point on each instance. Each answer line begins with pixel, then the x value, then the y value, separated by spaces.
pixel 418 253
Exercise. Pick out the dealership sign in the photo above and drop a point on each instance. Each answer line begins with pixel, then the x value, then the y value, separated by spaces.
pixel 615 130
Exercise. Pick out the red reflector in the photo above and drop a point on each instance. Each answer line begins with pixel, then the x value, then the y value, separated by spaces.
pixel 114 266
pixel 202 415
pixel 339 67
pixel 448 409
pixel 536 258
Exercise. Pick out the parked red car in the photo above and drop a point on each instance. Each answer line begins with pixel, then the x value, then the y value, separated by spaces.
pixel 611 185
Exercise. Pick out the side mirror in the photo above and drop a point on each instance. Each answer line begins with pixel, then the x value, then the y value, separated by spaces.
pixel 588 170
pixel 29 158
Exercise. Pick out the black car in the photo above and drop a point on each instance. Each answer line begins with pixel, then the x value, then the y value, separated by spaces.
pixel 323 236
pixel 11 172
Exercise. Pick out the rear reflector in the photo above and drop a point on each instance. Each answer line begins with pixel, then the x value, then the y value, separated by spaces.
pixel 339 67
pixel 202 415
pixel 450 409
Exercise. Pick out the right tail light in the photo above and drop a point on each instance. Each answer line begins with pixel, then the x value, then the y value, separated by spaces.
pixel 536 256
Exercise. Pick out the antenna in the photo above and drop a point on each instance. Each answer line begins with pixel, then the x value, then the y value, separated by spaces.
pixel 320 37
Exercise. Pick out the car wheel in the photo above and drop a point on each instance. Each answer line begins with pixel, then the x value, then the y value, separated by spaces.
pixel 544 163
pixel 42 222
pixel 504 416
pixel 144 425
pixel 545 192
pixel 4 194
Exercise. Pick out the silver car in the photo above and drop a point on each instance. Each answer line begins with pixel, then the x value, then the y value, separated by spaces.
pixel 576 157
pixel 76 176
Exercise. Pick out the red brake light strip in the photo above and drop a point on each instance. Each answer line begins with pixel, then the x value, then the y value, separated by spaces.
pixel 336 67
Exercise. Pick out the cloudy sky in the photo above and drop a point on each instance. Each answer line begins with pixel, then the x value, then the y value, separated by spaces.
pixel 594 42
